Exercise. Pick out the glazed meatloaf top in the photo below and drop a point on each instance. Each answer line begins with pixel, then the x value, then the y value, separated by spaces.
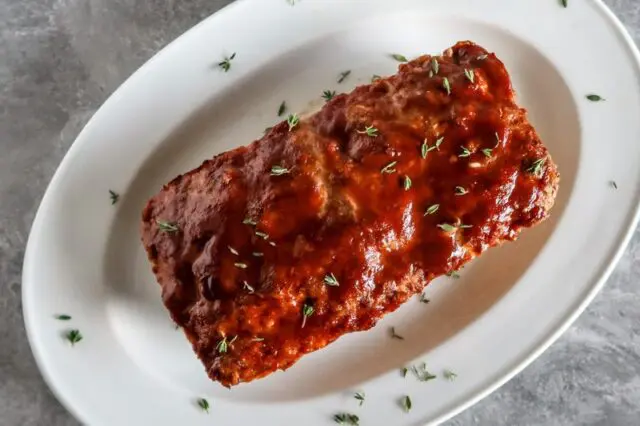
pixel 275 249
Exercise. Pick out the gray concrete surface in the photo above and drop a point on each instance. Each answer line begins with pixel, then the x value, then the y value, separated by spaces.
pixel 60 59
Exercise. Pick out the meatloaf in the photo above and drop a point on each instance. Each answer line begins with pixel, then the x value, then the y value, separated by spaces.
pixel 325 224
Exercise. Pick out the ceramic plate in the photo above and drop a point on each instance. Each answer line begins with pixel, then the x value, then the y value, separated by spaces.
pixel 84 257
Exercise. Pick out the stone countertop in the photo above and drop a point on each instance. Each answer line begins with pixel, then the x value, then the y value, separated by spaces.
pixel 60 59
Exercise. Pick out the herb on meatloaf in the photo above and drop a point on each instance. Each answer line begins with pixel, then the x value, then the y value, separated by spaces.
pixel 537 167
pixel 225 64
pixel 249 221
pixel 223 346
pixel 343 75
pixel 293 120
pixel 375 77
pixel 278 170
pixel 399 58
pixel 233 251
pixel 241 265
pixel 262 235
pixel 73 336
pixel 487 152
pixel 464 152
pixel 470 74
pixel 328 95
pixel 446 85
pixel 331 280
pixel 63 317
pixel 369 131
pixel 307 311
pixel 432 209
pixel 114 197
pixel 461 190
pixel 282 109
pixel 564 3
pixel 435 66
pixel 247 287
pixel 406 183
pixel 389 168
pixel 204 405
pixel 404 371
pixel 167 226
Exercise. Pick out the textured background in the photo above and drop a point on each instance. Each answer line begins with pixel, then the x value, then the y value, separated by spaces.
pixel 60 59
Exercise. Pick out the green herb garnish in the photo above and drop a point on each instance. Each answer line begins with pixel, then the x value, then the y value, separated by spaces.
pixel 262 235
pixel 62 317
pixel 425 148
pixel 307 311
pixel 432 209
pixel 369 131
pixel 421 373
pixel 595 98
pixel 278 170
pixel 293 120
pixel 482 57
pixel 73 336
pixel 406 403
pixel 375 77
pixel 399 58
pixel 613 184
pixel 449 375
pixel 167 226
pixel 470 74
pixel 360 397
pixel 114 197
pixel 487 152
pixel 343 75
pixel 446 85
pixel 423 299
pixel 395 335
pixel 233 251
pixel 435 66
pixel 404 371
pixel 282 109
pixel 453 274
pixel 389 168
pixel 447 227
pixel 226 62
pixel 249 221
pixel 461 190
pixel 537 167
pixel 241 265
pixel 204 404
pixel 328 95
pixel 464 152
pixel 247 287
pixel 347 419
pixel 407 183
pixel 223 346
pixel 331 280
pixel 564 3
